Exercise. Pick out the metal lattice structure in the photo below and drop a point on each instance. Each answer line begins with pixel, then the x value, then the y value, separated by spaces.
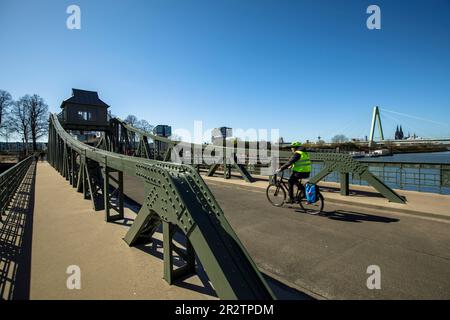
pixel 10 180
pixel 125 137
pixel 345 165
pixel 177 198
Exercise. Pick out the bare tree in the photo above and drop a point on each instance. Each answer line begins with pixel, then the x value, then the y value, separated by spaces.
pixel 144 125
pixel 19 121
pixel 6 129
pixel 5 102
pixel 131 120
pixel 38 117
pixel 339 138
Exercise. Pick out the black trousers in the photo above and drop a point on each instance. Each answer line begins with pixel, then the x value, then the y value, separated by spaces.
pixel 293 179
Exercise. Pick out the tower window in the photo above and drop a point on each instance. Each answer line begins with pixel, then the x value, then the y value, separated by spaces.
pixel 85 115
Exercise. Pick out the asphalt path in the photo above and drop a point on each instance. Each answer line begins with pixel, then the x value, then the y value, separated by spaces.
pixel 332 255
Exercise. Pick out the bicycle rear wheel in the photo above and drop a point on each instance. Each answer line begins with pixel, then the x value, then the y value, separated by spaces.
pixel 276 195
pixel 312 208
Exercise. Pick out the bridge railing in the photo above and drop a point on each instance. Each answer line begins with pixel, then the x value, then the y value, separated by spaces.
pixel 420 176
pixel 10 180
pixel 176 197
pixel 339 164
pixel 124 136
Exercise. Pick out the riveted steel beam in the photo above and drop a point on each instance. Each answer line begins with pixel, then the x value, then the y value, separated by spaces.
pixel 157 140
pixel 345 165
pixel 178 197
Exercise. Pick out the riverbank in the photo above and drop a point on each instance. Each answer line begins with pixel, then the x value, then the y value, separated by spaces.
pixel 6 162
pixel 392 147
pixel 416 157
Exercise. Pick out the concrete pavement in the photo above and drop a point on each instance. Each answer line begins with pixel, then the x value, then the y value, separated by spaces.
pixel 328 255
pixel 67 231
pixel 422 204
pixel 325 256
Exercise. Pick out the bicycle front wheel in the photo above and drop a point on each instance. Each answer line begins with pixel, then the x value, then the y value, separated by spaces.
pixel 312 208
pixel 276 195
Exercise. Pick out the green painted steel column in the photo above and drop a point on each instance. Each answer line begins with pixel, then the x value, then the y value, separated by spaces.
pixel 344 179
pixel 167 252
pixel 120 196
pixel 106 192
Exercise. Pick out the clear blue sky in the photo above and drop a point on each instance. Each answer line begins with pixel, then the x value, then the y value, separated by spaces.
pixel 305 67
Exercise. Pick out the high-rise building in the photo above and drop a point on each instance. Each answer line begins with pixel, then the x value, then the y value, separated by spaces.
pixel 220 134
pixel 163 130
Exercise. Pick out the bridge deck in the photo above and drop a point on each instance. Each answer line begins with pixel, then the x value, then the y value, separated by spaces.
pixel 327 256
pixel 68 232
pixel 422 204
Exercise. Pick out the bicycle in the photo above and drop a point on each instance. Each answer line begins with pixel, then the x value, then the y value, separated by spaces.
pixel 276 194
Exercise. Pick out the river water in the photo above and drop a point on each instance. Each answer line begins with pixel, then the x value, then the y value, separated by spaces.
pixel 429 157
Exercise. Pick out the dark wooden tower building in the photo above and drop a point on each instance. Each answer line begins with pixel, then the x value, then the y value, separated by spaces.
pixel 84 111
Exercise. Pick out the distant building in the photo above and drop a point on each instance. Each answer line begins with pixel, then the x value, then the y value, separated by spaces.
pixel 88 137
pixel 399 133
pixel 220 134
pixel 163 130
pixel 413 137
pixel 84 111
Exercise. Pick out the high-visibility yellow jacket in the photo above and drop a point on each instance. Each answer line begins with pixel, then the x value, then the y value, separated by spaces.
pixel 302 165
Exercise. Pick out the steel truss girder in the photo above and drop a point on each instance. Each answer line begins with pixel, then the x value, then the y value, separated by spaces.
pixel 170 274
pixel 113 194
pixel 178 197
pixel 143 149
pixel 345 165
pixel 342 163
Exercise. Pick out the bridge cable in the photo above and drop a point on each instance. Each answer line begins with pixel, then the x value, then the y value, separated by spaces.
pixel 417 118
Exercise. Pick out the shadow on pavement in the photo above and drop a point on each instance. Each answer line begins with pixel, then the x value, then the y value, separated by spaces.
pixel 154 248
pixel 352 216
pixel 358 217
pixel 15 242
pixel 353 192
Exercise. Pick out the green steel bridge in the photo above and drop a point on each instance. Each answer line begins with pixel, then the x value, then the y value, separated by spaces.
pixel 176 198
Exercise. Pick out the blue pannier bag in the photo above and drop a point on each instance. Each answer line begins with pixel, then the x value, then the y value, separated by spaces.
pixel 311 192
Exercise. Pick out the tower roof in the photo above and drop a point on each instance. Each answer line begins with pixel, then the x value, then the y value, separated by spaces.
pixel 84 97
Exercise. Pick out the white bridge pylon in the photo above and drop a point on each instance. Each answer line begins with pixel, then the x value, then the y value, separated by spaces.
pixel 375 117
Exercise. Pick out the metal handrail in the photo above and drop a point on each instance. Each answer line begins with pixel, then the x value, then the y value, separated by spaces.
pixel 10 180
pixel 176 196
pixel 405 162
pixel 334 162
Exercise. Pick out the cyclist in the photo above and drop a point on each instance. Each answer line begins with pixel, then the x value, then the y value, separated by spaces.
pixel 300 165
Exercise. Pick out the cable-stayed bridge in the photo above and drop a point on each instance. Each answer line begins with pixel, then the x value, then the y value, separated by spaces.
pixel 377 123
